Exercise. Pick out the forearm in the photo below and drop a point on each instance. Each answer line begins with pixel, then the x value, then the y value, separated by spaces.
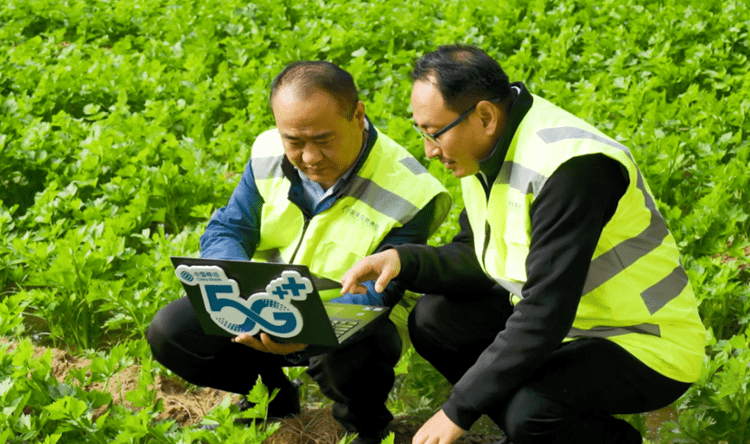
pixel 233 232
pixel 451 268
pixel 413 235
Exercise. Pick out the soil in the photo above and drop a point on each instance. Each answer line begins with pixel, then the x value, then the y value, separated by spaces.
pixel 181 403
pixel 187 405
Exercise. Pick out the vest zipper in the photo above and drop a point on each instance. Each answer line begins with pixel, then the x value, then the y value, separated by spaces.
pixel 304 230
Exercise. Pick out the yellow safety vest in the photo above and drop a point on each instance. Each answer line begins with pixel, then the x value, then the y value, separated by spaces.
pixel 636 292
pixel 387 191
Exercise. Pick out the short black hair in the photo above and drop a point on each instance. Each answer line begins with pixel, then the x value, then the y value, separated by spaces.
pixel 465 75
pixel 311 76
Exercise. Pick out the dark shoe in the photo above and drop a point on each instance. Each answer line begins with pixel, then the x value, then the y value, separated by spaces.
pixel 285 404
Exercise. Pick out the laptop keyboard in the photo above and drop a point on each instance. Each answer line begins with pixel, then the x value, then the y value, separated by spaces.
pixel 341 326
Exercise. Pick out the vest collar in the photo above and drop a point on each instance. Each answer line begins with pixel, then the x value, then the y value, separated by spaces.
pixel 490 167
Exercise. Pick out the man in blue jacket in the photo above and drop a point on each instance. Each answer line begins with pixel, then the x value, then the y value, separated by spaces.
pixel 324 189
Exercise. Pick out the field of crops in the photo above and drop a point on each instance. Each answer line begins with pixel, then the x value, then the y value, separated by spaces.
pixel 125 123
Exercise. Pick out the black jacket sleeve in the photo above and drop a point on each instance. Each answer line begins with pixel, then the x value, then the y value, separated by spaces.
pixel 450 269
pixel 567 218
pixel 415 232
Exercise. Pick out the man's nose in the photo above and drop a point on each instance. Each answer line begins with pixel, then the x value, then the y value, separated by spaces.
pixel 431 149
pixel 311 155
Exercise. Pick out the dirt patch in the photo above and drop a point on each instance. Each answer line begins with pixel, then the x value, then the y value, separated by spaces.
pixel 725 258
pixel 317 426
pixel 186 406
pixel 655 419
pixel 309 427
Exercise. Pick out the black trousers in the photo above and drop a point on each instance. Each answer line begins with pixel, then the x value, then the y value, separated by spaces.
pixel 570 399
pixel 357 376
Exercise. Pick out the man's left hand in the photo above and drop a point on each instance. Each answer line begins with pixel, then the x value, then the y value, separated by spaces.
pixel 267 345
pixel 438 430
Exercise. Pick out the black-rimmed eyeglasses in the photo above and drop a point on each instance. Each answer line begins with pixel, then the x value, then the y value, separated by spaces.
pixel 433 137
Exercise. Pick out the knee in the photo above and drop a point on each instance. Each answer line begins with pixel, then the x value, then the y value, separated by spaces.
pixel 570 430
pixel 378 351
pixel 426 316
pixel 531 418
pixel 362 369
pixel 385 344
pixel 158 333
pixel 173 324
pixel 528 418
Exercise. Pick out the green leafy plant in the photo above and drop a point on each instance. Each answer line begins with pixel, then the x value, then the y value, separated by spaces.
pixel 125 124
pixel 717 407
pixel 226 414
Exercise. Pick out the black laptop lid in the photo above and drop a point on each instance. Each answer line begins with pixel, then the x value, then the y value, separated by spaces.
pixel 233 297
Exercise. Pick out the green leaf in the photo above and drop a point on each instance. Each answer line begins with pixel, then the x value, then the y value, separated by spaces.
pixel 259 392
pixel 389 439
pixel 91 109
pixel 52 439
pixel 5 386
pixel 67 407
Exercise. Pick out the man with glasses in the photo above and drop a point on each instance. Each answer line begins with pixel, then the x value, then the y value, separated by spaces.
pixel 579 308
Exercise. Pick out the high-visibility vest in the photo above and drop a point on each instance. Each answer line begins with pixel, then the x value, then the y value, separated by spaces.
pixel 387 191
pixel 636 292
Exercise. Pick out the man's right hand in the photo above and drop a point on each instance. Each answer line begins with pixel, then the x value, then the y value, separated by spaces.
pixel 380 267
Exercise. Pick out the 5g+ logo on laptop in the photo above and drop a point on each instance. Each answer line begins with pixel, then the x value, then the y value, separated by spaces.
pixel 271 311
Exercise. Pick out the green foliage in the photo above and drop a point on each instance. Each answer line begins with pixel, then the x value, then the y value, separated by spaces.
pixel 225 415
pixel 11 310
pixel 125 124
pixel 39 408
pixel 717 407
pixel 419 389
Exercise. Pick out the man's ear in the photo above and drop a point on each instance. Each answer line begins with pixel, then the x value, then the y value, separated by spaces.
pixel 491 116
pixel 359 115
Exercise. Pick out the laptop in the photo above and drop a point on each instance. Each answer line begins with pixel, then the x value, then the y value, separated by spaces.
pixel 233 297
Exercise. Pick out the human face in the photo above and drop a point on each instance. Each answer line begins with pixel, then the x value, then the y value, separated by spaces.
pixel 317 138
pixel 461 147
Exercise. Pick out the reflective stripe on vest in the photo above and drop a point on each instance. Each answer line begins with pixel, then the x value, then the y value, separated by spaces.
pixel 364 190
pixel 608 332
